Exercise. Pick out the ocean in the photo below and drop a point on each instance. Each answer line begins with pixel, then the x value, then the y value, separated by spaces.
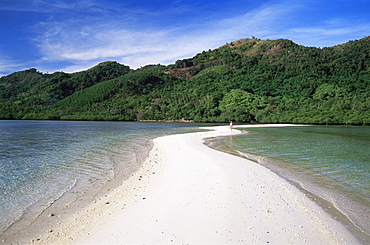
pixel 331 164
pixel 46 163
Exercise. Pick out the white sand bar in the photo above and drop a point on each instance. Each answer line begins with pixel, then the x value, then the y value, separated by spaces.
pixel 188 193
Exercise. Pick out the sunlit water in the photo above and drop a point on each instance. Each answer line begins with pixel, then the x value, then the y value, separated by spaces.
pixel 330 162
pixel 43 161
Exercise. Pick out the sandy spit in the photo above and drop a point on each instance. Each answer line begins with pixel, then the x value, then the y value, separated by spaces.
pixel 188 193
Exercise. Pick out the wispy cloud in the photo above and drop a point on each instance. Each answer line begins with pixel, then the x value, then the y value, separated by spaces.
pixel 94 41
pixel 7 64
pixel 137 38
pixel 49 6
pixel 328 34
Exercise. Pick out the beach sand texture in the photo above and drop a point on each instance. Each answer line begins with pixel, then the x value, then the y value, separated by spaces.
pixel 188 193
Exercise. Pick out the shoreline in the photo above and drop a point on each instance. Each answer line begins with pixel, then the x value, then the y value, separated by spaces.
pixel 186 192
pixel 314 186
pixel 37 219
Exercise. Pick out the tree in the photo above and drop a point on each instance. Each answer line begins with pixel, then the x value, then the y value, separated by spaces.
pixel 239 105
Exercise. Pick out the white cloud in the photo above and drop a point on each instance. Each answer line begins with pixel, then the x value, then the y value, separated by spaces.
pixel 7 65
pixel 328 34
pixel 95 41
pixel 52 6
pixel 78 67
pixel 87 41
pixel 260 22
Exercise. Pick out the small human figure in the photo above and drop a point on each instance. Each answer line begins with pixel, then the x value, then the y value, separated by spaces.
pixel 231 125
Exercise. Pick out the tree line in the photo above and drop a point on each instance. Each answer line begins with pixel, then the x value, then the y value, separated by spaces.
pixel 249 80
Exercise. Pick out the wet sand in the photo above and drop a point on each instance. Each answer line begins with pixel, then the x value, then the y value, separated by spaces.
pixel 188 193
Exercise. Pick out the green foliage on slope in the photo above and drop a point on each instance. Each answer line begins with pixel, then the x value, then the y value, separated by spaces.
pixel 269 81
pixel 30 94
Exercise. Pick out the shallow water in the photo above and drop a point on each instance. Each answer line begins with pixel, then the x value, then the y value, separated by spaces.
pixel 44 161
pixel 331 162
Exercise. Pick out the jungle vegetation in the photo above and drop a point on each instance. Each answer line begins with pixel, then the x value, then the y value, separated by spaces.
pixel 249 80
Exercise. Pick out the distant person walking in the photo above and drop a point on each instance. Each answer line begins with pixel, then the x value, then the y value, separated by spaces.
pixel 231 125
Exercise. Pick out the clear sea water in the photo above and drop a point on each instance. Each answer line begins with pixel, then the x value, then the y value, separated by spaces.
pixel 42 162
pixel 330 163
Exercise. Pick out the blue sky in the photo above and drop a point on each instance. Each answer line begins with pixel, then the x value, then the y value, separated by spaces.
pixel 74 35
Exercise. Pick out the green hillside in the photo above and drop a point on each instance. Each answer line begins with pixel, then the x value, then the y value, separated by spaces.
pixel 249 80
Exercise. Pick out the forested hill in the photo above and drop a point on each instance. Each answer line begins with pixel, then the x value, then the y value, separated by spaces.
pixel 249 80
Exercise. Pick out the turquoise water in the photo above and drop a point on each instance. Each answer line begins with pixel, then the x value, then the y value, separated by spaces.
pixel 330 162
pixel 42 162
pixel 46 162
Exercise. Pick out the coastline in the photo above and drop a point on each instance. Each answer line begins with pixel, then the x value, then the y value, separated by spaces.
pixel 186 192
pixel 328 188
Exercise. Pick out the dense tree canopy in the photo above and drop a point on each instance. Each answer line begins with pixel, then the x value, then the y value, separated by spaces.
pixel 249 80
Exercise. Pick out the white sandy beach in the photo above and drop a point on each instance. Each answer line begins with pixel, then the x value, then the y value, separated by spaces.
pixel 188 193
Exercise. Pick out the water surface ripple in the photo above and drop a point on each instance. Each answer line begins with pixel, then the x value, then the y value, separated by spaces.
pixel 331 162
pixel 43 161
